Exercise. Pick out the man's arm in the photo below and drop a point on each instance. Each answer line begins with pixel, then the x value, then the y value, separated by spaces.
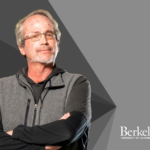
pixel 8 143
pixel 62 132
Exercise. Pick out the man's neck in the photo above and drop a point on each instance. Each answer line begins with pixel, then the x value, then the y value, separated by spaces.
pixel 39 72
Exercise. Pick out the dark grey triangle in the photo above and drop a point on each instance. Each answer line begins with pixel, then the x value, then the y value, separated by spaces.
pixel 10 60
pixel 99 109
pixel 99 99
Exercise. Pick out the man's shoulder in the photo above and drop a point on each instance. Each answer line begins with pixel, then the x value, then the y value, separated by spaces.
pixel 73 76
pixel 75 79
pixel 8 79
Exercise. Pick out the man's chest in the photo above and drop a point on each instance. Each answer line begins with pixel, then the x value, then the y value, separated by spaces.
pixel 19 107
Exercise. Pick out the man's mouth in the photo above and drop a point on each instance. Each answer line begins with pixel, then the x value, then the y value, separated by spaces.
pixel 45 50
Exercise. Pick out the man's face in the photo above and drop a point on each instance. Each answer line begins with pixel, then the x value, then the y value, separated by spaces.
pixel 43 51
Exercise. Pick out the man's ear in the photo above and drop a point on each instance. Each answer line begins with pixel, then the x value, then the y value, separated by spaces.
pixel 22 51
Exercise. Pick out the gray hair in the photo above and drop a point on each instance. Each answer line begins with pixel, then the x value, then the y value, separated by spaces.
pixel 19 26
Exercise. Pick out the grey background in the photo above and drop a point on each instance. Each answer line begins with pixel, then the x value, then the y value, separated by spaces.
pixel 113 39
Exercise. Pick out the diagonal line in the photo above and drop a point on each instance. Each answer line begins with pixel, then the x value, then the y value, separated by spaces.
pixel 99 99
pixel 97 129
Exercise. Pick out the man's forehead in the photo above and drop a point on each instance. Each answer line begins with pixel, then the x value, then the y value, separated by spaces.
pixel 35 21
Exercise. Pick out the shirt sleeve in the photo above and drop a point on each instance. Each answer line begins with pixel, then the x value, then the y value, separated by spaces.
pixel 80 98
pixel 62 132
pixel 8 143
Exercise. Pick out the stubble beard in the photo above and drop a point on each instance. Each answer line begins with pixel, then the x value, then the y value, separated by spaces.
pixel 50 60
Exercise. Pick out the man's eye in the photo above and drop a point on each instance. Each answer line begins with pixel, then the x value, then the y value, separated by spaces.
pixel 35 36
pixel 49 35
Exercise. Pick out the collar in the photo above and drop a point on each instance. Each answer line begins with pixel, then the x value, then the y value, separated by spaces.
pixel 55 77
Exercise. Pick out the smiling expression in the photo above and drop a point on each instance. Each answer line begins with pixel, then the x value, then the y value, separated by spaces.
pixel 43 51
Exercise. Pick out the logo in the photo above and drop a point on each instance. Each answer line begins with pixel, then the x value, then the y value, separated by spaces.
pixel 134 134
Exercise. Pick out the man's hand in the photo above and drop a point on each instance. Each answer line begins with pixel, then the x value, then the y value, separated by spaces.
pixel 52 147
pixel 65 116
pixel 10 132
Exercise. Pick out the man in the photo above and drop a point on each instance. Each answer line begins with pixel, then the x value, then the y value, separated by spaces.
pixel 43 107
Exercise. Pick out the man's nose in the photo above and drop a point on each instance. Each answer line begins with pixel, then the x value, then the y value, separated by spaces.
pixel 43 39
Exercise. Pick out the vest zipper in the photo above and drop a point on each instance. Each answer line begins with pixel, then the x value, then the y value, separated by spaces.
pixel 27 111
pixel 42 102
pixel 35 109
